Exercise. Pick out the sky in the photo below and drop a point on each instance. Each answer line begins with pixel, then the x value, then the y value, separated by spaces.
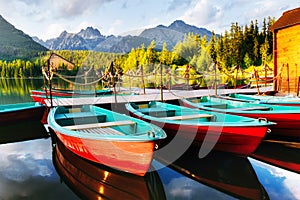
pixel 47 19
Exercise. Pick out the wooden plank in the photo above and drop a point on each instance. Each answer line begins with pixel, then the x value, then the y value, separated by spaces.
pixel 187 117
pixel 100 125
pixel 101 131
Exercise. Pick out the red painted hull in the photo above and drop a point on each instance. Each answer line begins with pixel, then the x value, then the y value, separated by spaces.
pixel 54 93
pixel 233 139
pixel 67 93
pixel 22 115
pixel 39 99
pixel 132 157
pixel 287 123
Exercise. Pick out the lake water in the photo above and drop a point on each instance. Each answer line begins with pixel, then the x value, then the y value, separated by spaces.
pixel 31 167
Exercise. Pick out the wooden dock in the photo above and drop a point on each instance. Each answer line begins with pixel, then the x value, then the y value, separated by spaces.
pixel 151 95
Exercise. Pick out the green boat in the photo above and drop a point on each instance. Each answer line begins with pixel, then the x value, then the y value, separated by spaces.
pixel 221 132
pixel 286 117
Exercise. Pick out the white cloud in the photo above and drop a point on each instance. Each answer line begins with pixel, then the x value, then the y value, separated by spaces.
pixel 204 13
pixel 51 31
pixel 115 27
pixel 35 17
pixel 71 8
pixel 218 15
pixel 174 4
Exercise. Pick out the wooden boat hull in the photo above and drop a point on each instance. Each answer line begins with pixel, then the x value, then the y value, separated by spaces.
pixel 237 140
pixel 70 93
pixel 106 137
pixel 93 181
pixel 229 133
pixel 131 157
pixel 287 123
pixel 271 100
pixel 29 112
pixel 39 98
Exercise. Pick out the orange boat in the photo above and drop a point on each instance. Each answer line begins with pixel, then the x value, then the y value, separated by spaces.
pixel 106 137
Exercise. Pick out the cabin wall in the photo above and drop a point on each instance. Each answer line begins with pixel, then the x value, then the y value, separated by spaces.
pixel 287 59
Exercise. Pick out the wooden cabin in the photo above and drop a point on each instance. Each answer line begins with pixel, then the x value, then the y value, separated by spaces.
pixel 287 52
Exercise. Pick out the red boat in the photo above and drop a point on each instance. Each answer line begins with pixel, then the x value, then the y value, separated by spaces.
pixel 211 131
pixel 69 93
pixel 287 118
pixel 106 137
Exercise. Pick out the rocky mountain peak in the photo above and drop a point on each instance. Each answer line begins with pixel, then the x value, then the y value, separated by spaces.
pixel 90 33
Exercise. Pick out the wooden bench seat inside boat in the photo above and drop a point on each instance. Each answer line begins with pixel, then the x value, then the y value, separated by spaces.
pixel 100 125
pixel 187 117
pixel 252 108
pixel 101 131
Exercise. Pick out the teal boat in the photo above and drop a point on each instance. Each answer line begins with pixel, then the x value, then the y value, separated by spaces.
pixel 222 132
pixel 20 112
pixel 265 99
pixel 106 137
pixel 286 117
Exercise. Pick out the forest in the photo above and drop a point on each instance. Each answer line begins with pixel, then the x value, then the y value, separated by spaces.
pixel 240 48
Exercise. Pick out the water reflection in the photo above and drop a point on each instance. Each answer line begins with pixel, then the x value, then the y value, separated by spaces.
pixel 277 165
pixel 17 90
pixel 221 174
pixel 94 181
pixel 22 131
pixel 279 183
pixel 26 172
pixel 281 154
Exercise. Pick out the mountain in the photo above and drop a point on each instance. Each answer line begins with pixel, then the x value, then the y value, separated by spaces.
pixel 173 33
pixel 68 41
pixel 16 44
pixel 182 27
pixel 91 38
pixel 163 34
